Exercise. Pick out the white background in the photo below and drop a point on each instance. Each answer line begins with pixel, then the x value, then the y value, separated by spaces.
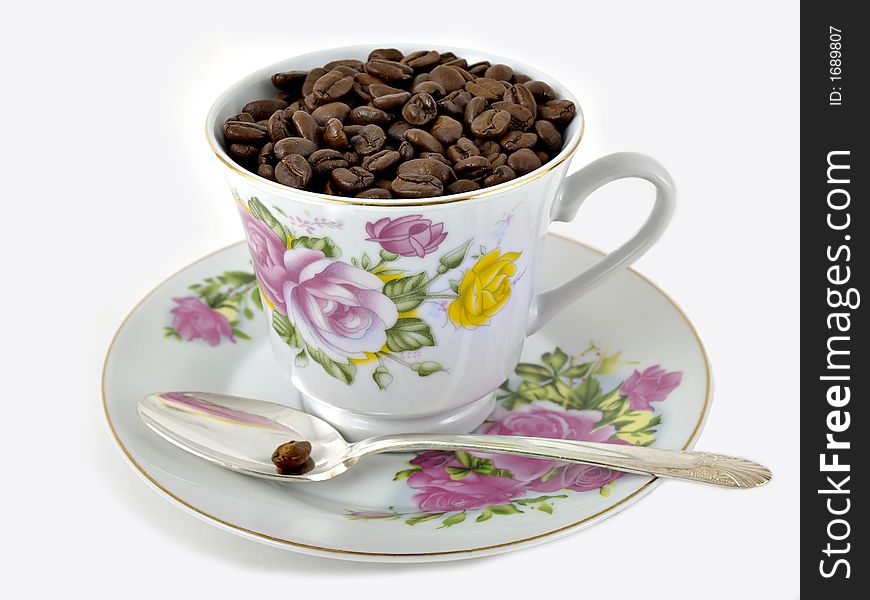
pixel 109 187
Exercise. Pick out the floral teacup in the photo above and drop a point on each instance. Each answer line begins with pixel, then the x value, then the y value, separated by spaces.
pixel 405 315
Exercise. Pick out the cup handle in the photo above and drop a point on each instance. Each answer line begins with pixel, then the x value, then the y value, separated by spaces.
pixel 575 190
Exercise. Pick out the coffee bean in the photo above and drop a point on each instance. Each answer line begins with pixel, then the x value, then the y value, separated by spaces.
pixel 397 131
pixel 351 157
pixel 381 161
pixel 521 78
pixel 422 59
pixel 542 156
pixel 293 170
pixel 266 171
pixel 499 160
pixel 313 76
pixel 375 192
pixel 310 102
pixel 489 148
pixel 412 185
pixel 305 125
pixel 520 94
pixel 366 115
pixel 388 70
pixel 333 110
pixel 350 63
pixel 263 109
pixel 294 145
pixel 353 180
pixel 279 127
pixel 386 54
pixel 446 129
pixel 427 166
pixel 479 68
pixel 475 106
pixel 368 141
pixel 267 154
pixel 460 186
pixel 489 89
pixel 449 78
pixel 243 152
pixel 332 86
pixel 325 160
pixel 420 109
pixel 244 132
pixel 423 140
pixel 334 135
pixel 463 148
pixel 436 90
pixel 454 103
pixel 499 175
pixel 542 91
pixel 514 140
pixel 352 129
pixel 382 89
pixel 289 81
pixel 473 167
pixel 559 112
pixel 391 102
pixel 549 136
pixel 435 156
pixel 244 117
pixel 523 161
pixel 499 72
pixel 521 117
pixel 491 123
pixel 456 62
pixel 406 151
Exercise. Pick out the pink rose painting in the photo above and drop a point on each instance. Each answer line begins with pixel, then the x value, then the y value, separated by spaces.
pixel 336 307
pixel 193 319
pixel 438 492
pixel 653 385
pixel 267 254
pixel 411 235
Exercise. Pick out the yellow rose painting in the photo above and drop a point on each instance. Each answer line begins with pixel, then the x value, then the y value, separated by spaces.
pixel 484 289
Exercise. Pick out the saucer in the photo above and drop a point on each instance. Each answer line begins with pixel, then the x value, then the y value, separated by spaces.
pixel 622 364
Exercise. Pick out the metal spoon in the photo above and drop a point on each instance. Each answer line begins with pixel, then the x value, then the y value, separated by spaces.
pixel 240 434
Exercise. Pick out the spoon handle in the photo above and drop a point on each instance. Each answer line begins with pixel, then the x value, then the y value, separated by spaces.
pixel 700 467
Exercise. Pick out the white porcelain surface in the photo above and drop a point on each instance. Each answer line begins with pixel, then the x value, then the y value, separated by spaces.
pixel 470 359
pixel 628 314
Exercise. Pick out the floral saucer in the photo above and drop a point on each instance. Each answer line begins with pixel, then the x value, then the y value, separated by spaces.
pixel 623 364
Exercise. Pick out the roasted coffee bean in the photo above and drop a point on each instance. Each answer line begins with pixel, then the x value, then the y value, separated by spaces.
pixel 279 127
pixel 559 112
pixel 491 123
pixel 293 170
pixel 454 103
pixel 473 108
pixel 263 109
pixel 446 130
pixel 290 81
pixel 422 59
pixel 434 89
pixel 332 86
pixel 489 89
pixel 412 185
pixel 460 186
pixel 514 140
pixel 242 132
pixel 381 161
pixel 521 117
pixel 324 161
pixel 243 152
pixel 499 72
pixel 523 161
pixel 351 63
pixel 391 102
pixel 369 115
pixel 520 94
pixel 449 78
pixel 353 180
pixel 334 135
pixel 266 156
pixel 463 148
pixel 386 54
pixel 549 136
pixel 368 141
pixel 310 79
pixel 499 175
pixel 291 455
pixel 420 109
pixel 375 192
pixel 294 145
pixel 333 110
pixel 427 166
pixel 419 121
pixel 423 141
pixel 388 70
pixel 473 167
pixel 305 125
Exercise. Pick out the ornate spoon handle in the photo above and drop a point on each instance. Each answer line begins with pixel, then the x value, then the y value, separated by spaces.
pixel 702 467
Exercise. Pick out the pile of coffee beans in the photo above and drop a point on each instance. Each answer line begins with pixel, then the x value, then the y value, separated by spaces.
pixel 399 126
